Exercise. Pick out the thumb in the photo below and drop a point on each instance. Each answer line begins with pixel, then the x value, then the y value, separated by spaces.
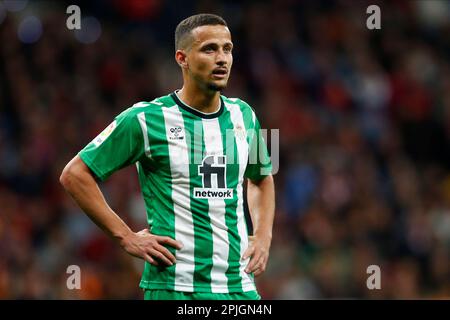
pixel 144 231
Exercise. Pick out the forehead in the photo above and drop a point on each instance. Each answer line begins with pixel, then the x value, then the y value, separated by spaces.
pixel 216 33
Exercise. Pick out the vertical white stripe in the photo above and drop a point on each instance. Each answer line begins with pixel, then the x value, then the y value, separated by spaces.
pixel 214 146
pixel 184 226
pixel 253 118
pixel 242 148
pixel 143 124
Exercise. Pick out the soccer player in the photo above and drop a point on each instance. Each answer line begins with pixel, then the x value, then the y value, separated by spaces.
pixel 193 148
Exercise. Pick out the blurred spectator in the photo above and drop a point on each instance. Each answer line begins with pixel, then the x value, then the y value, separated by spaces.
pixel 364 119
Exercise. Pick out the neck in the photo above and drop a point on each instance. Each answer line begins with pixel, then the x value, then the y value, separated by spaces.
pixel 206 102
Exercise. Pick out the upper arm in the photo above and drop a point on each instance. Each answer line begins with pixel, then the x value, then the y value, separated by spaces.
pixel 259 163
pixel 118 146
pixel 78 165
pixel 74 168
pixel 263 180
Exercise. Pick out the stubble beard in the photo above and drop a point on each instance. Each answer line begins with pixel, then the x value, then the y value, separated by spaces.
pixel 215 87
pixel 210 85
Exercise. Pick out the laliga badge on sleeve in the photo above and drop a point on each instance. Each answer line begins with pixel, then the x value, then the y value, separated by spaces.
pixel 104 134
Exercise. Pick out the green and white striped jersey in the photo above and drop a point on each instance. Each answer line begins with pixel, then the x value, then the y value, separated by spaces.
pixel 191 168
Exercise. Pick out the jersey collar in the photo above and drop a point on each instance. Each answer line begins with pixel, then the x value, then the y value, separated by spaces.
pixel 200 114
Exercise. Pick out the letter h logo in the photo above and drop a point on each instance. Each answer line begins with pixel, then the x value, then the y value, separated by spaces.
pixel 213 165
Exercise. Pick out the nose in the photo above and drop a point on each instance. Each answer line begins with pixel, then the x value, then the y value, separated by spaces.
pixel 221 58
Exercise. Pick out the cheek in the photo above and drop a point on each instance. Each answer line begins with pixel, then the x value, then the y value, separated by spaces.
pixel 200 64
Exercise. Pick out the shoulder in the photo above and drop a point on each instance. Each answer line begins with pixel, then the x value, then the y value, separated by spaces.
pixel 146 107
pixel 247 110
pixel 237 101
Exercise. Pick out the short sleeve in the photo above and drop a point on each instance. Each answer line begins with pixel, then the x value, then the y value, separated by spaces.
pixel 117 146
pixel 259 164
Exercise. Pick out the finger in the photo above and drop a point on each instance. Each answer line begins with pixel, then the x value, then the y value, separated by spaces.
pixel 160 256
pixel 253 262
pixel 259 271
pixel 251 267
pixel 150 260
pixel 171 242
pixel 248 252
pixel 165 252
pixel 262 267
pixel 260 261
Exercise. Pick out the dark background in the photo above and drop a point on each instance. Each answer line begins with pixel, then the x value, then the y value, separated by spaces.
pixel 364 120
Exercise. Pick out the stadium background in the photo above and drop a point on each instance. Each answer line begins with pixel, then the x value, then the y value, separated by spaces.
pixel 364 119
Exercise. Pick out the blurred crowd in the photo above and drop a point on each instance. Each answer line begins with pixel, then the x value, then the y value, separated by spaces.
pixel 364 120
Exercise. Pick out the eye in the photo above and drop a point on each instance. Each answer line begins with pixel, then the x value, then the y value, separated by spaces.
pixel 208 49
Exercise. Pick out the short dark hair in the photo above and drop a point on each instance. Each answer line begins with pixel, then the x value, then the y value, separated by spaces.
pixel 185 27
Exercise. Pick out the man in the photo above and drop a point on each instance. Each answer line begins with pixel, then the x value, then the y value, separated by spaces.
pixel 192 148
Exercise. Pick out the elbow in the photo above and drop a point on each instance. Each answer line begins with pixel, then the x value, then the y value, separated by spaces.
pixel 67 176
pixel 74 173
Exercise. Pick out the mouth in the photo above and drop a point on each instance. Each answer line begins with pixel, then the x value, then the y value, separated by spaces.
pixel 220 73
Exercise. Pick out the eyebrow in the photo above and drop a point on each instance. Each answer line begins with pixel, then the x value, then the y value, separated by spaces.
pixel 207 44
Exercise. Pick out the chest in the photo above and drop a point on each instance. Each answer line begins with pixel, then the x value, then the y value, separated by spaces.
pixel 213 152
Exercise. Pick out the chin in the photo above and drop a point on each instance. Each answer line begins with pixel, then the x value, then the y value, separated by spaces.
pixel 216 86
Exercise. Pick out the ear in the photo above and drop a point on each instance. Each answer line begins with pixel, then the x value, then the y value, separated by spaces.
pixel 181 58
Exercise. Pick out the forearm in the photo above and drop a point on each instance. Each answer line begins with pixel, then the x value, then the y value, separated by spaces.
pixel 82 187
pixel 261 203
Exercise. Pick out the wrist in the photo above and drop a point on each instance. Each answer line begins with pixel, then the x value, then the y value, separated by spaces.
pixel 123 236
pixel 263 235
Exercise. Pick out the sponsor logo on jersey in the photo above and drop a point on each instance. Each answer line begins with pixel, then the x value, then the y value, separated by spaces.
pixel 176 133
pixel 105 134
pixel 210 193
pixel 214 182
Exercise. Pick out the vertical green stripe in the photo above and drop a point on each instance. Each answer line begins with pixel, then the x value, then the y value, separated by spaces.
pixel 146 192
pixel 162 205
pixel 247 116
pixel 232 176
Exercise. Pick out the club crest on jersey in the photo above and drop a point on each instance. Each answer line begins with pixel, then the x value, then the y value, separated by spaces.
pixel 239 131
pixel 105 134
pixel 176 133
